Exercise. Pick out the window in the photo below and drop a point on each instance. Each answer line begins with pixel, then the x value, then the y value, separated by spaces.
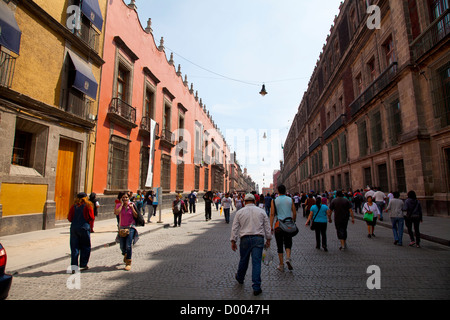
pixel 441 95
pixel 447 158
pixel 30 145
pixel 394 121
pixel 343 145
pixel 368 177
pixel 145 157
pixel 180 177
pixel 362 138
pixel 372 70
pixel 437 9
pixel 206 179
pixel 197 178
pixel 359 85
pixel 118 171
pixel 122 84
pixel 22 148
pixel 165 172
pixel 389 54
pixel 400 175
pixel 376 131
pixel 383 177
pixel 149 104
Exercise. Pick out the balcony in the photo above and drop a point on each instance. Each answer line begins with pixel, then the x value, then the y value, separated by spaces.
pixel 122 113
pixel 314 145
pixel 145 128
pixel 333 127
pixel 7 66
pixel 432 36
pixel 80 106
pixel 90 36
pixel 166 138
pixel 374 89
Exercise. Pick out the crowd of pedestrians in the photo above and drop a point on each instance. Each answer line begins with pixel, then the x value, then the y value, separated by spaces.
pixel 258 218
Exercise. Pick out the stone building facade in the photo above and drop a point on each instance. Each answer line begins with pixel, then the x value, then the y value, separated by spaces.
pixel 377 108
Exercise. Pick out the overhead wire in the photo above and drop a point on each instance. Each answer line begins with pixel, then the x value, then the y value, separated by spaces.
pixel 253 83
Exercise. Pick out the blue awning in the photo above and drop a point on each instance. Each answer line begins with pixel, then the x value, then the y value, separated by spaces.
pixel 84 78
pixel 10 33
pixel 91 10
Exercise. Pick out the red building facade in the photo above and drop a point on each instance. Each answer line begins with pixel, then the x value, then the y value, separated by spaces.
pixel 140 85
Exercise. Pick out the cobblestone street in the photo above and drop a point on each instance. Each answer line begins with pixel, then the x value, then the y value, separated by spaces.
pixel 195 262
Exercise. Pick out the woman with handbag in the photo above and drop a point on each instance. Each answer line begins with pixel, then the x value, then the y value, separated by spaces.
pixel 127 228
pixel 370 212
pixel 282 208
pixel 319 216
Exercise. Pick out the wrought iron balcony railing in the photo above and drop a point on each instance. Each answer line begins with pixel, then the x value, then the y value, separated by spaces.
pixel 80 106
pixel 431 36
pixel 122 113
pixel 374 89
pixel 7 66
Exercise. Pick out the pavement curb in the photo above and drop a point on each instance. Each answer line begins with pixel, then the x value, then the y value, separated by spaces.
pixel 423 236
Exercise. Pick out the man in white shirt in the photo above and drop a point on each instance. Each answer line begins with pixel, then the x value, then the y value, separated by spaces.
pixel 227 204
pixel 379 197
pixel 251 225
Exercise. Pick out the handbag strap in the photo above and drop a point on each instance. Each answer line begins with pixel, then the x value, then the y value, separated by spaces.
pixel 314 218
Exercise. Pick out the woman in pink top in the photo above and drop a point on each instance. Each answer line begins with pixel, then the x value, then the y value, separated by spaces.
pixel 127 213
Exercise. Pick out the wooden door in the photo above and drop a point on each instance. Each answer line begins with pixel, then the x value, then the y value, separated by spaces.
pixel 65 176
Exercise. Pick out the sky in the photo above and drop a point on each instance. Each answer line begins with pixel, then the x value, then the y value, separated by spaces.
pixel 229 49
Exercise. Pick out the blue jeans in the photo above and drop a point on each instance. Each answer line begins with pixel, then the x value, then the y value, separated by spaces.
pixel 380 205
pixel 80 246
pixel 127 243
pixel 140 206
pixel 226 213
pixel 251 246
pixel 397 227
pixel 267 211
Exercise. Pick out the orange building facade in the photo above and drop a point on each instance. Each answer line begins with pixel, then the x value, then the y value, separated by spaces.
pixel 141 86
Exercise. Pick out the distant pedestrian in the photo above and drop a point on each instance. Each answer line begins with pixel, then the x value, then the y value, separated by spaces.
pixel 227 204
pixel 358 200
pixel 342 209
pixel 394 209
pixel 267 203
pixel 310 201
pixel 283 207
pixel 128 234
pixel 238 202
pixel 192 201
pixel 251 226
pixel 380 199
pixel 371 207
pixel 139 201
pixel 81 216
pixel 319 216
pixel 149 202
pixel 93 199
pixel 413 218
pixel 208 197
pixel 177 210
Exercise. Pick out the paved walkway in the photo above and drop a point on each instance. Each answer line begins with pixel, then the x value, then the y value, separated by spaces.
pixel 34 249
